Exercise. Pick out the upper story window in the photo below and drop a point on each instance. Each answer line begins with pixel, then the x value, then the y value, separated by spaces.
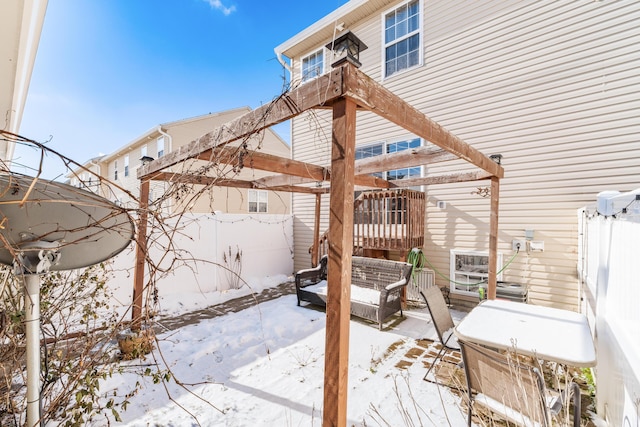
pixel 312 65
pixel 402 38
pixel 143 151
pixel 258 200
pixel 388 148
pixel 126 165
pixel 160 146
pixel 115 170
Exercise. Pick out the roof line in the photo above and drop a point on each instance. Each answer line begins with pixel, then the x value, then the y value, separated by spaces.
pixel 318 25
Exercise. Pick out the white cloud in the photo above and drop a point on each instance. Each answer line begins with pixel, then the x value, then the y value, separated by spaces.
pixel 217 4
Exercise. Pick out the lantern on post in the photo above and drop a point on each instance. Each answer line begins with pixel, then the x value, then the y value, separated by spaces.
pixel 347 48
pixel 496 158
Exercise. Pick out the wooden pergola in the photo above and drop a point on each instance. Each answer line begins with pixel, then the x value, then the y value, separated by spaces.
pixel 345 90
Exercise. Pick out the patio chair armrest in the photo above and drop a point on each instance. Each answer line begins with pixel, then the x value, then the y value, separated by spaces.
pixel 313 275
pixel 396 285
pixel 390 290
pixel 308 277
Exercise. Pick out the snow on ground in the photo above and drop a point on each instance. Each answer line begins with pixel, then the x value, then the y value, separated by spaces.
pixel 263 366
pixel 180 303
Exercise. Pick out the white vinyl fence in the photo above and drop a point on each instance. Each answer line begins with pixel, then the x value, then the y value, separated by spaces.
pixel 609 256
pixel 260 247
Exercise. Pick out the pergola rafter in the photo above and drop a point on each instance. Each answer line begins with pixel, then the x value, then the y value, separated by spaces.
pixel 345 90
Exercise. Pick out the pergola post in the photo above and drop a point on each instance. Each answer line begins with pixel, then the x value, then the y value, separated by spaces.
pixel 316 232
pixel 141 250
pixel 493 237
pixel 339 263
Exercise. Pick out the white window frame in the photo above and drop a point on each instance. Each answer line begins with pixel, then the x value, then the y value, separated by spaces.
pixel 115 170
pixel 143 151
pixel 126 165
pixel 160 146
pixel 396 40
pixel 461 275
pixel 260 198
pixel 304 76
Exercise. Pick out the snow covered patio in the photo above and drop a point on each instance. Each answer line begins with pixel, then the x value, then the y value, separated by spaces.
pixel 263 365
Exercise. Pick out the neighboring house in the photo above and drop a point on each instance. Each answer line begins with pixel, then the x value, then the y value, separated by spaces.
pixel 20 27
pixel 551 86
pixel 120 168
pixel 87 178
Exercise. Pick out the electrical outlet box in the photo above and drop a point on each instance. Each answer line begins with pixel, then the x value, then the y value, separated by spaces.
pixel 517 244
pixel 537 245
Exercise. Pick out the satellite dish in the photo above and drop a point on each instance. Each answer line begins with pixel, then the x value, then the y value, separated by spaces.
pixel 50 226
pixel 83 227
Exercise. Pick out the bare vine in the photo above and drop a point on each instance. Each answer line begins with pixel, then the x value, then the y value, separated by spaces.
pixel 79 350
pixel 79 325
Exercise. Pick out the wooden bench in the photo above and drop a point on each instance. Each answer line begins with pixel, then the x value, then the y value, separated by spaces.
pixel 376 287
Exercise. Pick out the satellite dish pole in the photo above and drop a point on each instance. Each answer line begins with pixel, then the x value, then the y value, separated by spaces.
pixel 33 260
pixel 40 219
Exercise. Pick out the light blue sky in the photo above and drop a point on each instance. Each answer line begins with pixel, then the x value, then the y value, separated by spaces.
pixel 109 70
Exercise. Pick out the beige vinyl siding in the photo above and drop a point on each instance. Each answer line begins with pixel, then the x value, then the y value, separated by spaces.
pixel 552 86
pixel 314 133
pixel 180 133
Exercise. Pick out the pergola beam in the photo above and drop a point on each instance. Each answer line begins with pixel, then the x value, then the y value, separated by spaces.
pixel 235 183
pixel 343 81
pixel 376 98
pixel 443 179
pixel 412 157
pixel 320 91
pixel 282 165
pixel 403 159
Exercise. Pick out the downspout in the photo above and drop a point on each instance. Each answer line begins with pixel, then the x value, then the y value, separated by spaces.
pixel 99 188
pixel 94 162
pixel 166 135
pixel 167 150
pixel 282 61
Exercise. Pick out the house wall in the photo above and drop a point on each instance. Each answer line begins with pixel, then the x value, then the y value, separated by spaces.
pixel 181 133
pixel 552 86
pixel 87 178
pixel 609 247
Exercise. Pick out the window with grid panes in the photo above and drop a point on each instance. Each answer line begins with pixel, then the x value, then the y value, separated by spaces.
pixel 402 38
pixel 312 65
pixel 258 201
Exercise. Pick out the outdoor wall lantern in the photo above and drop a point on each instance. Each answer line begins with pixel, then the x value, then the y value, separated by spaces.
pixel 146 159
pixel 347 48
pixel 496 158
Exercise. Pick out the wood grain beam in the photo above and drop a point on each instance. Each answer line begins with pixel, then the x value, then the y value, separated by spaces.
pixel 336 362
pixel 282 165
pixel 281 179
pixel 371 95
pixel 319 91
pixel 442 179
pixel 141 253
pixel 493 239
pixel 418 156
pixel 235 183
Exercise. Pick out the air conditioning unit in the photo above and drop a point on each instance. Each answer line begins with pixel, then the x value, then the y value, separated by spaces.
pixel 421 280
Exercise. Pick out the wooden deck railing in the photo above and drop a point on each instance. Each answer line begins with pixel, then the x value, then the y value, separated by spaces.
pixel 385 220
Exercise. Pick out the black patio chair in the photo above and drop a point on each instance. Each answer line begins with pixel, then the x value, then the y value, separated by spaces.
pixel 442 321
